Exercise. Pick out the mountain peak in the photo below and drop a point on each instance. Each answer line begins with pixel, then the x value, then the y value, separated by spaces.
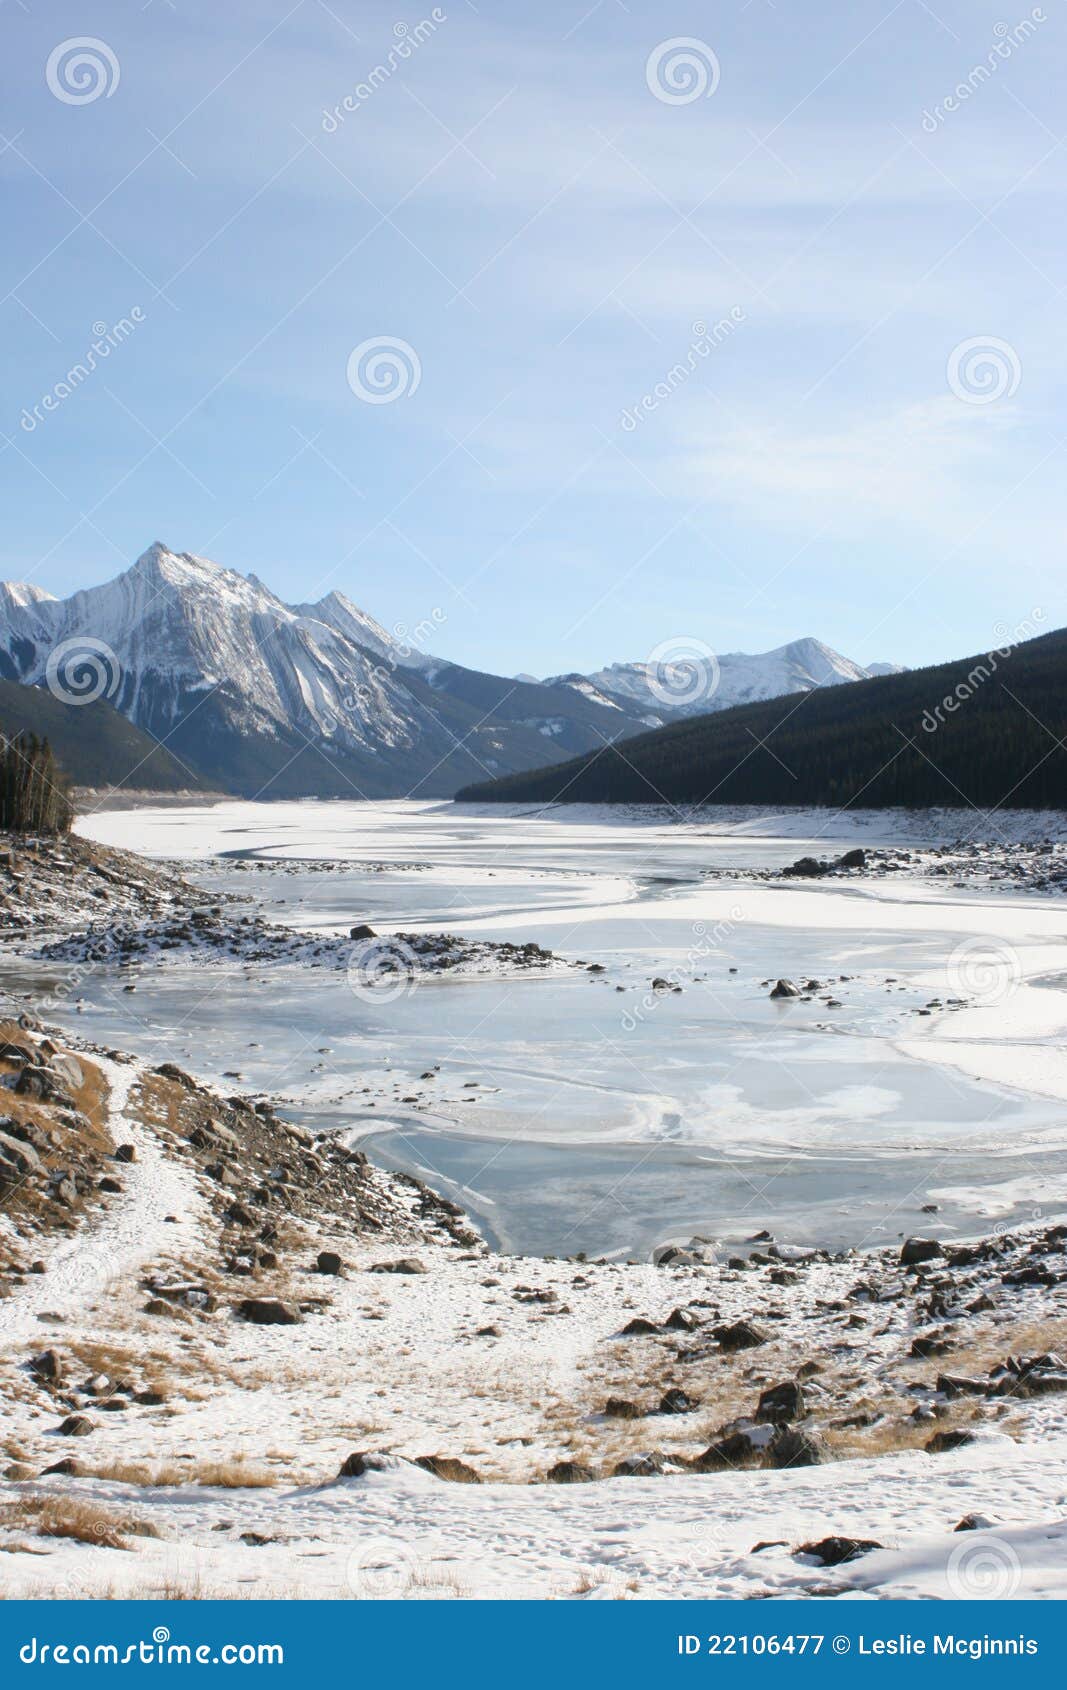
pixel 20 595
pixel 802 665
pixel 158 560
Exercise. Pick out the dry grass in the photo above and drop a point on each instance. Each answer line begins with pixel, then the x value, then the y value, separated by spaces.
pixel 77 1518
pixel 439 1581
pixel 888 1437
pixel 238 1473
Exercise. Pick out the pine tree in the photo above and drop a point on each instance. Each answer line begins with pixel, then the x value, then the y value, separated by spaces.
pixel 34 795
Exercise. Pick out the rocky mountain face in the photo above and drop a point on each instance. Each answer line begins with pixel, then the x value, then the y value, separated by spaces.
pixel 264 698
pixel 260 697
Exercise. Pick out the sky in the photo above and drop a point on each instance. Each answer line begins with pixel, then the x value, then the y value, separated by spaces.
pixel 574 328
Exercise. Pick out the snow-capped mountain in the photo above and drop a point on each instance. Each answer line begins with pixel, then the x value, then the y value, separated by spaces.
pixel 260 696
pixel 699 684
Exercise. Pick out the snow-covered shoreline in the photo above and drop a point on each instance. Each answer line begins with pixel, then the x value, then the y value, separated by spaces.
pixel 497 1368
pixel 942 826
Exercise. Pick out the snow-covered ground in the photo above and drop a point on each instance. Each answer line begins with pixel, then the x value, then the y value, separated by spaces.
pixel 457 1361
pixel 505 1361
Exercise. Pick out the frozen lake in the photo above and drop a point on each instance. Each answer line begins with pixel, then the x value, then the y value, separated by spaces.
pixel 585 1110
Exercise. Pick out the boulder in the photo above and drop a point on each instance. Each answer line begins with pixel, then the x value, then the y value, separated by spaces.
pixel 782 1403
pixel 362 931
pixel 69 1069
pixel 941 1442
pixel 806 868
pixel 835 1551
pixel 620 1408
pixel 171 1071
pixel 448 1467
pixel 740 1335
pixel 651 1464
pixel 639 1327
pixel 18 1055
pixel 328 1261
pixel 569 1473
pixel 953 1385
pixel 268 1311
pixel 682 1320
pixel 18 1158
pixel 673 1255
pixel 784 989
pixel 126 1153
pixel 77 1426
pixel 677 1401
pixel 856 858
pixel 353 1466
pixel 790 1448
pixel 927 1345
pixel 47 1367
pixel 406 1264
pixel 916 1250
pixel 43 1085
pixel 734 1449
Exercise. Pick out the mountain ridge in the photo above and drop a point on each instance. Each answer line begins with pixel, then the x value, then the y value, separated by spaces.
pixel 265 698
pixel 979 731
pixel 699 684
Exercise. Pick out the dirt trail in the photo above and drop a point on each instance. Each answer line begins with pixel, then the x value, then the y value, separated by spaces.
pixel 133 1230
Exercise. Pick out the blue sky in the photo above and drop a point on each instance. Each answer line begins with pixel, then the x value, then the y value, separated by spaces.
pixel 870 450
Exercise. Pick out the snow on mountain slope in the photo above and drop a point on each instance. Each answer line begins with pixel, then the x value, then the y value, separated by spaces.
pixel 213 663
pixel 178 623
pixel 339 613
pixel 258 696
pixel 263 697
pixel 20 595
pixel 696 686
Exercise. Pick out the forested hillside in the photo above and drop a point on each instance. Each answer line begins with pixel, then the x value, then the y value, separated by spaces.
pixel 96 745
pixel 984 730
